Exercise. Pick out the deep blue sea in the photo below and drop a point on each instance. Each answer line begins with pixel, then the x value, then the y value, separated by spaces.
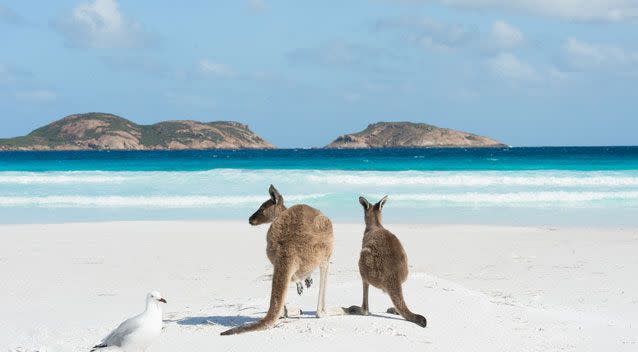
pixel 527 186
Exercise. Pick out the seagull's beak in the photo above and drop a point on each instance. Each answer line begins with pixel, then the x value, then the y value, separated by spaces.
pixel 162 300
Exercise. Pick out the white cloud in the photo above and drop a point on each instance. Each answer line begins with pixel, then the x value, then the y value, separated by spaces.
pixel 7 15
pixel 432 34
pixel 257 5
pixel 587 56
pixel 20 85
pixel 505 35
pixel 441 36
pixel 510 67
pixel 556 75
pixel 6 74
pixel 134 62
pixel 36 96
pixel 211 69
pixel 215 69
pixel 349 56
pixel 575 10
pixel 351 97
pixel 101 24
pixel 11 75
pixel 336 53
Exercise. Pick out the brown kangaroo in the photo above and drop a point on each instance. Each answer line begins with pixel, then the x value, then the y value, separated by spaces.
pixel 299 240
pixel 383 264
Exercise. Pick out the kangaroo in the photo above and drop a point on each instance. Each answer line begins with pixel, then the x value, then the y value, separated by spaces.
pixel 383 264
pixel 298 241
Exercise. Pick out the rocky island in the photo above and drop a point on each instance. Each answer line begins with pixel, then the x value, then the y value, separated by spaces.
pixel 100 131
pixel 410 135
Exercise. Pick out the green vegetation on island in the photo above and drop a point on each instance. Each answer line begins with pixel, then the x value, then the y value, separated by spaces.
pixel 410 135
pixel 97 131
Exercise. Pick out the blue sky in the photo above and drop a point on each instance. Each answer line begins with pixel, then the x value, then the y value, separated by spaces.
pixel 527 72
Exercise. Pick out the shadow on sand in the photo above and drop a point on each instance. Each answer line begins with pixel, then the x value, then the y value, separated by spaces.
pixel 229 321
pixel 236 320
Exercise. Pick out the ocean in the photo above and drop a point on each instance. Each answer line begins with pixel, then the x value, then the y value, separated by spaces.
pixel 544 186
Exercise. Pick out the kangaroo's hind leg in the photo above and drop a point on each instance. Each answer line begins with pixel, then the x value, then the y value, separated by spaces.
pixel 323 277
pixel 293 311
pixel 363 310
pixel 321 304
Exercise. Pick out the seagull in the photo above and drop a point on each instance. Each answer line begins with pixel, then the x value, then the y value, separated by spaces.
pixel 138 332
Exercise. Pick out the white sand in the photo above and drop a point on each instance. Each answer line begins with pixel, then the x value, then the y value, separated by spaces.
pixel 482 288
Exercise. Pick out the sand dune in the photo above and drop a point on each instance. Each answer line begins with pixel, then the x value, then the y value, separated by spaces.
pixel 482 288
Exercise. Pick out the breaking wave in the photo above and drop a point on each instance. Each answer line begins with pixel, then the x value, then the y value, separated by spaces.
pixel 467 198
pixel 143 201
pixel 517 197
pixel 354 178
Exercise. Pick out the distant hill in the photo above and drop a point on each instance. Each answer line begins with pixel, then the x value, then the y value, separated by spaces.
pixel 410 135
pixel 100 131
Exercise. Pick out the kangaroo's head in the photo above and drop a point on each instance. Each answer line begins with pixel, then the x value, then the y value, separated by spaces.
pixel 270 209
pixel 372 213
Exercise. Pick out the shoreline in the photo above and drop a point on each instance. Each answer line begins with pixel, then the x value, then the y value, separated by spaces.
pixel 616 219
pixel 429 225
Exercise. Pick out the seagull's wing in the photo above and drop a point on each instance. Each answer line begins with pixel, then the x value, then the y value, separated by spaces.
pixel 117 336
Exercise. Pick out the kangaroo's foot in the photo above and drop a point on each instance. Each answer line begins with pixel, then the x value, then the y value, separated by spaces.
pixel 420 320
pixel 392 310
pixel 299 288
pixel 356 310
pixel 320 313
pixel 308 282
pixel 332 311
pixel 292 312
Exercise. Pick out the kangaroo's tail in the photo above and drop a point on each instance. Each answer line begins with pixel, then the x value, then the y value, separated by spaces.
pixel 280 279
pixel 97 347
pixel 396 294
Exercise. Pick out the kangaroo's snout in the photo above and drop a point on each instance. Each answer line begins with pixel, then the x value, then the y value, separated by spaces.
pixel 252 220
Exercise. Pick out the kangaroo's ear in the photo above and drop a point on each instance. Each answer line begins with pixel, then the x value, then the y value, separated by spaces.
pixel 364 202
pixel 274 194
pixel 381 203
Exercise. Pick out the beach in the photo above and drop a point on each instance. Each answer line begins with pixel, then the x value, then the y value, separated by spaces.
pixel 139 140
pixel 481 287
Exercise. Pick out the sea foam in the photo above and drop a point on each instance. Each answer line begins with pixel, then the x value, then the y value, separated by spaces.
pixel 336 177
pixel 144 201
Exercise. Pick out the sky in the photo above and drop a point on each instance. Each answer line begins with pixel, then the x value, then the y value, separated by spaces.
pixel 525 72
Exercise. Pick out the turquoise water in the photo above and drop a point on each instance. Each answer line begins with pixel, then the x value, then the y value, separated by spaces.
pixel 540 186
pixel 443 159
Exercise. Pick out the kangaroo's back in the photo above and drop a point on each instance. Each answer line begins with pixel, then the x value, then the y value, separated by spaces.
pixel 383 260
pixel 301 223
pixel 301 231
